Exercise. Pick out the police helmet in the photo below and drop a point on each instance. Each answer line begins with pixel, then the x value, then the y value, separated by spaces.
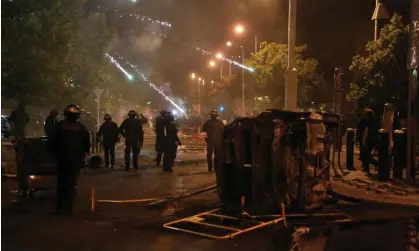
pixel 169 117
pixel 163 113
pixel 72 111
pixel 132 114
pixel 214 114
pixel 54 112
pixel 107 117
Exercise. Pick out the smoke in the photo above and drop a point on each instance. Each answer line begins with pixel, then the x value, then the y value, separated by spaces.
pixel 147 42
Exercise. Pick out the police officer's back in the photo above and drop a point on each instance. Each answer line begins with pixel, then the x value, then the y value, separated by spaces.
pixel 110 132
pixel 369 127
pixel 160 134
pixel 69 143
pixel 214 129
pixel 132 130
pixel 171 142
pixel 50 122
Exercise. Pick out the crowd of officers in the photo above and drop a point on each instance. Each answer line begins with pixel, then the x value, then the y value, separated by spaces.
pixel 367 136
pixel 73 139
pixel 70 143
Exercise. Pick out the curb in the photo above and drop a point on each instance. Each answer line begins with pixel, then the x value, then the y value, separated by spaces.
pixel 357 194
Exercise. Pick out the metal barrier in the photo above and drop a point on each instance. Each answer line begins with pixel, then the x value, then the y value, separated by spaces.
pixel 94 200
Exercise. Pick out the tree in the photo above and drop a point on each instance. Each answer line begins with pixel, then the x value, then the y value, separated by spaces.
pixel 220 85
pixel 38 38
pixel 270 64
pixel 382 76
pixel 88 67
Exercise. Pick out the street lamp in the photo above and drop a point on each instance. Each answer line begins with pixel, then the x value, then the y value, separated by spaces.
pixel 229 44
pixel 291 73
pixel 193 76
pixel 212 63
pixel 380 12
pixel 239 29
pixel 219 55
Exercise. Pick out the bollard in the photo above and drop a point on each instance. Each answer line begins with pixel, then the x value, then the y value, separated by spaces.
pixel 399 153
pixel 383 155
pixel 350 144
pixel 93 200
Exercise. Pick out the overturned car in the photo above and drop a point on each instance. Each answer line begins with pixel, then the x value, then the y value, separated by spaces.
pixel 279 157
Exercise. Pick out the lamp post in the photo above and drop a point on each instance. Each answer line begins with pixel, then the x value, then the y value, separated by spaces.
pixel 380 12
pixel 291 77
pixel 243 85
pixel 98 93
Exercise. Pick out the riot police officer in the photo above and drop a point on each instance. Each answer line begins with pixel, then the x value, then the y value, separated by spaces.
pixel 368 128
pixel 132 130
pixel 214 129
pixel 160 134
pixel 69 143
pixel 171 142
pixel 110 132
pixel 50 121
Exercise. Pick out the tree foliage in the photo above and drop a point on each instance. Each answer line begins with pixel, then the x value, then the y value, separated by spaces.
pixel 52 53
pixel 88 67
pixel 38 38
pixel 270 64
pixel 381 75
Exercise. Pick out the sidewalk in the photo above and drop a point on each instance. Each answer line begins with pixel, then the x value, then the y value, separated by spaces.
pixel 357 184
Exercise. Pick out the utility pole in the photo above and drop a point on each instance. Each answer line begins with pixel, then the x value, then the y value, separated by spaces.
pixel 256 44
pixel 243 86
pixel 380 12
pixel 98 93
pixel 291 78
pixel 338 102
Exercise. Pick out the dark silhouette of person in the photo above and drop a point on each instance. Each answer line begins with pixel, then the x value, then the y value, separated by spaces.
pixel 171 142
pixel 132 130
pixel 110 132
pixel 214 129
pixel 69 144
pixel 50 122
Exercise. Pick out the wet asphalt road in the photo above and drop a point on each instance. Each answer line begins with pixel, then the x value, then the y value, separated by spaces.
pixel 28 225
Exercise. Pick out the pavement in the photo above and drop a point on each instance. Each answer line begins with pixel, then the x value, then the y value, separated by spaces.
pixel 358 185
pixel 27 224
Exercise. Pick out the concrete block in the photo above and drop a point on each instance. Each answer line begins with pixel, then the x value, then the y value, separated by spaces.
pixel 362 185
pixel 384 185
pixel 400 193
pixel 381 191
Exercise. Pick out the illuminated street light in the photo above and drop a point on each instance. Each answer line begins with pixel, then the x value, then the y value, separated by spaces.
pixel 229 44
pixel 219 55
pixel 212 63
pixel 193 76
pixel 199 79
pixel 239 29
pixel 212 81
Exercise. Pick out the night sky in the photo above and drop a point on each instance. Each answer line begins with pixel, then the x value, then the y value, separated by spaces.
pixel 334 30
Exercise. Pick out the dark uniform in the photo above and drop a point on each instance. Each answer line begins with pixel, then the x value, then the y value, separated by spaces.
pixel 132 130
pixel 110 132
pixel 368 128
pixel 160 134
pixel 50 122
pixel 215 131
pixel 20 119
pixel 171 142
pixel 69 143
